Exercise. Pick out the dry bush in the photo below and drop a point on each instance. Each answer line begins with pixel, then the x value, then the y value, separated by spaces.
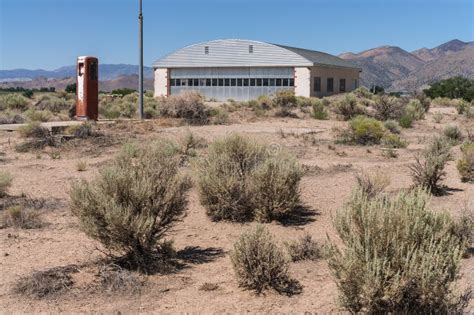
pixel 465 165
pixel 415 110
pixel 363 93
pixel 53 103
pixel 372 184
pixel 392 126
pixel 187 105
pixel 438 117
pixel 406 121
pixel 133 203
pixel 453 133
pixel 319 110
pixel 5 182
pixel 348 107
pixel 13 101
pixel 42 284
pixel 304 248
pixel 34 130
pixel 38 115
pixel 114 278
pixel 362 130
pixel 387 107
pixel 82 131
pixel 259 264
pixel 81 166
pixel 285 100
pixel 428 169
pixel 398 257
pixel 190 143
pixel 241 180
pixel 19 217
pixel 390 140
pixel 424 100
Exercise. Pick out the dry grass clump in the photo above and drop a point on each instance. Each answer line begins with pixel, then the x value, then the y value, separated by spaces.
pixel 372 184
pixel 362 130
pixel 81 166
pixel 387 107
pixel 190 143
pixel 113 278
pixel 242 180
pixel 392 126
pixel 438 117
pixel 42 284
pixel 5 182
pixel 390 140
pixel 54 103
pixel 415 110
pixel 465 165
pixel 38 115
pixel 82 131
pixel 398 257
pixel 428 169
pixel 19 217
pixel 304 248
pixel 131 205
pixel 319 110
pixel 13 101
pixel 187 105
pixel 285 100
pixel 34 130
pixel 348 107
pixel 259 264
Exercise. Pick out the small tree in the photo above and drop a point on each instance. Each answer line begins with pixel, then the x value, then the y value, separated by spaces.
pixel 71 88
pixel 133 203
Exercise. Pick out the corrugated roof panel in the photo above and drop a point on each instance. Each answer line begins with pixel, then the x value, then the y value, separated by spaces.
pixel 237 53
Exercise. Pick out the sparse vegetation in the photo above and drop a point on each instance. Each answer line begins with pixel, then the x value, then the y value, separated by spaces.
pixel 348 107
pixel 428 169
pixel 465 165
pixel 319 110
pixel 415 110
pixel 152 197
pixel 372 184
pixel 304 248
pixel 114 278
pixel 453 133
pixel 5 182
pixel 81 166
pixel 259 264
pixel 392 126
pixel 437 117
pixel 387 107
pixel 19 217
pixel 188 106
pixel 363 130
pixel 398 256
pixel 390 140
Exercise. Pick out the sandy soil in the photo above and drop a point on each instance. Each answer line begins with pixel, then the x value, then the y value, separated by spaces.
pixel 327 183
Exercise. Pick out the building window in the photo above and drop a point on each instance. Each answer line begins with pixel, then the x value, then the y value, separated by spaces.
pixel 177 82
pixel 252 82
pixel 342 85
pixel 330 85
pixel 206 50
pixel 208 82
pixel 285 82
pixel 202 82
pixel 196 82
pixel 317 84
pixel 190 82
pixel 221 82
pixel 184 82
pixel 227 82
pixel 278 82
pixel 250 49
pixel 246 82
pixel 233 82
pixel 259 82
pixel 172 82
pixel 292 82
pixel 356 84
pixel 265 82
pixel 239 82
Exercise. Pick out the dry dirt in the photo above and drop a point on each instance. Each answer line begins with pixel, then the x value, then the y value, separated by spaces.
pixel 325 187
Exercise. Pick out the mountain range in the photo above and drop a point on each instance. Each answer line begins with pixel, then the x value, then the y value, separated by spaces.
pixel 391 67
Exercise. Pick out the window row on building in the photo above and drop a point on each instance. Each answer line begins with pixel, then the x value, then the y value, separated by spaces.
pixel 330 84
pixel 233 82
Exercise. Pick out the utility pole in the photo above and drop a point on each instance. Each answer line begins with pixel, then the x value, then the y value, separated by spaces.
pixel 140 70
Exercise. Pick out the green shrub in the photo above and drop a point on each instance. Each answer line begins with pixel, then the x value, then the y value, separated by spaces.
pixel 393 141
pixel 13 101
pixel 53 104
pixel 82 131
pixel 465 165
pixel 428 169
pixel 462 106
pixel 398 257
pixel 132 203
pixel 285 99
pixel 455 87
pixel 363 92
pixel 348 107
pixel 424 100
pixel 188 106
pixel 259 264
pixel 241 180
pixel 415 110
pixel 123 92
pixel 406 121
pixel 387 107
pixel 319 110
pixel 364 130
pixel 5 182
pixel 453 133
pixel 304 248
pixel 392 126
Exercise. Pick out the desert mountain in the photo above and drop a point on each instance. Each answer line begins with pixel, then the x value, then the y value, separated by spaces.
pixel 396 69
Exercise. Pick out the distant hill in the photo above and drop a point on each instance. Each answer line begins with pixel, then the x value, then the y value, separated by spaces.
pixel 396 69
pixel 106 72
pixel 123 81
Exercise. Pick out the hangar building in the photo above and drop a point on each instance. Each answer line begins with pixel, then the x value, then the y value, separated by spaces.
pixel 245 69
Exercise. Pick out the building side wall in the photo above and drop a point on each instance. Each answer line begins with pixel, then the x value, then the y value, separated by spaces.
pixel 161 82
pixel 303 81
pixel 350 75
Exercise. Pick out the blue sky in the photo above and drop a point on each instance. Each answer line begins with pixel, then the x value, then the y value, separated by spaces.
pixel 48 34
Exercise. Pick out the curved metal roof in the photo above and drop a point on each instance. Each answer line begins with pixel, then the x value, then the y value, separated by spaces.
pixel 235 53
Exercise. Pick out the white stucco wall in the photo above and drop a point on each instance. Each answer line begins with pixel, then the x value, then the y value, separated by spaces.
pixel 302 81
pixel 161 82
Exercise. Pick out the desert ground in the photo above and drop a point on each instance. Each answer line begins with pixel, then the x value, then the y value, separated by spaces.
pixel 328 180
